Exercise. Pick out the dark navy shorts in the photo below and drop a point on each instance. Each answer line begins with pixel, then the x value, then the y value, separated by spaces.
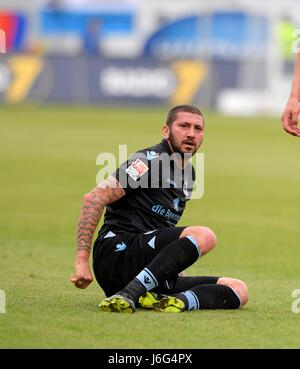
pixel 120 257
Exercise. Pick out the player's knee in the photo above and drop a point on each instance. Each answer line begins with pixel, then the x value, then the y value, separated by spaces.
pixel 204 236
pixel 238 286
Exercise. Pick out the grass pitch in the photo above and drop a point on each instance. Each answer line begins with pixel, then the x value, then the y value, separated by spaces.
pixel 251 201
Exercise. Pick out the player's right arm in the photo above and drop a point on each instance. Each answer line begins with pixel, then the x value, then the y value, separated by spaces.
pixel 292 110
pixel 94 203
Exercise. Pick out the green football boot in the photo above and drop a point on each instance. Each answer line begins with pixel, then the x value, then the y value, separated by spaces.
pixel 150 300
pixel 117 304
pixel 164 303
pixel 171 304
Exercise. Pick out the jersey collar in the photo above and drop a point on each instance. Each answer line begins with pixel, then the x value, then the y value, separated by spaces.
pixel 166 146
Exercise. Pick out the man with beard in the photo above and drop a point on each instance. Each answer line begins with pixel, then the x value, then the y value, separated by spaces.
pixel 139 248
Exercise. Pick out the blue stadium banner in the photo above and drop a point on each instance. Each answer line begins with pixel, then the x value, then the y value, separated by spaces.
pixel 229 35
pixel 93 80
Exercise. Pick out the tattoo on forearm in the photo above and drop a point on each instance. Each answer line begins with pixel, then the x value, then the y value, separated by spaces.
pixel 91 212
pixel 88 220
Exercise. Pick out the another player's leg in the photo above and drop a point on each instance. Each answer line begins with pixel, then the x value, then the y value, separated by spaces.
pixel 170 260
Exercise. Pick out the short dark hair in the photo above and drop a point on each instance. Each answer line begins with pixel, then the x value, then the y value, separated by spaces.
pixel 171 117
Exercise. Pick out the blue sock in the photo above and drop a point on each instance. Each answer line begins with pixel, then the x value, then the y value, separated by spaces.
pixel 190 300
pixel 147 279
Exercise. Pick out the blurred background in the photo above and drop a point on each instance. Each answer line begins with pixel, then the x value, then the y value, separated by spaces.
pixel 233 56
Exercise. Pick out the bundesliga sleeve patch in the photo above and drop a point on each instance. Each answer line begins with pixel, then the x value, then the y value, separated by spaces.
pixel 137 169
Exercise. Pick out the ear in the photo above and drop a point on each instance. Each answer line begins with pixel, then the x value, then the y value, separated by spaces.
pixel 166 132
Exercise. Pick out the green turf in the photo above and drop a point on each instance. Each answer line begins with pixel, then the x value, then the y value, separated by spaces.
pixel 251 201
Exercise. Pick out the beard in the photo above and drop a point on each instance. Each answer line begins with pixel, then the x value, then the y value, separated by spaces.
pixel 177 148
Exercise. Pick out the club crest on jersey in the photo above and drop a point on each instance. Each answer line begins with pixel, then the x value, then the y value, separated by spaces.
pixel 137 169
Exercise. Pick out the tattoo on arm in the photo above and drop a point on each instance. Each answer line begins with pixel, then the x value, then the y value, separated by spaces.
pixel 106 193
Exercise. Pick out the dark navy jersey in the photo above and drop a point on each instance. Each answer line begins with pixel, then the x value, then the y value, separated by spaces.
pixel 156 188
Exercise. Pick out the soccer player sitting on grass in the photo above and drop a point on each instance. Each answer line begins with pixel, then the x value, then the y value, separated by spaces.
pixel 140 253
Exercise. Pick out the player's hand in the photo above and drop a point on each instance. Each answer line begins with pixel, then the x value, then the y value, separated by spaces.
pixel 290 117
pixel 82 276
